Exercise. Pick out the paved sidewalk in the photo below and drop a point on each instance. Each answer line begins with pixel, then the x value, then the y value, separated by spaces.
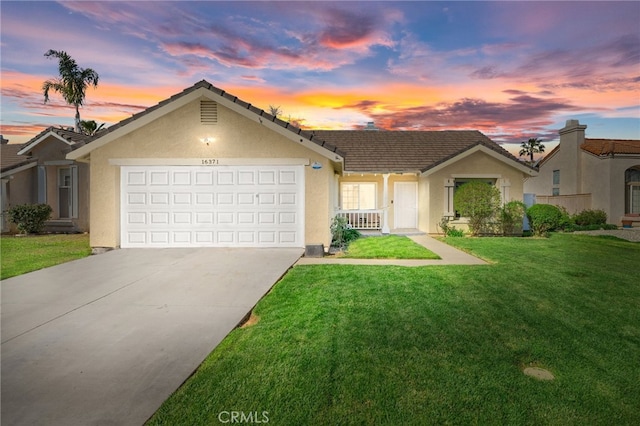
pixel 449 256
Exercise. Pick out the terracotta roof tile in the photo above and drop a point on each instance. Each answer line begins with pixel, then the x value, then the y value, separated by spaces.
pixel 610 147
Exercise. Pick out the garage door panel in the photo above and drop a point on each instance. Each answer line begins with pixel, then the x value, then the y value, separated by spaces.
pixel 246 198
pixel 187 206
pixel 267 177
pixel 226 177
pixel 246 177
pixel 287 177
pixel 226 218
pixel 158 178
pixel 181 178
pixel 203 178
pixel 134 178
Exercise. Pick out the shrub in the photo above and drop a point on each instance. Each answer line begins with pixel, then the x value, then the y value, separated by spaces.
pixel 454 232
pixel 30 218
pixel 449 230
pixel 342 233
pixel 544 218
pixel 478 202
pixel 566 221
pixel 510 217
pixel 590 217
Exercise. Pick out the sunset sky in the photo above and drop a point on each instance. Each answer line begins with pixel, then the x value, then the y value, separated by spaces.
pixel 512 70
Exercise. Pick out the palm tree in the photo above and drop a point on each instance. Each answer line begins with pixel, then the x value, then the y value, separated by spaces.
pixel 530 147
pixel 90 127
pixel 72 83
pixel 276 111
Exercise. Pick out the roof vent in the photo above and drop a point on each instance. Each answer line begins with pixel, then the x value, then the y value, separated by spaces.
pixel 370 126
pixel 208 112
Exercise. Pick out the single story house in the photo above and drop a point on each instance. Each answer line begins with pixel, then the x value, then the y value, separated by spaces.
pixel 583 173
pixel 39 172
pixel 204 168
pixel 16 178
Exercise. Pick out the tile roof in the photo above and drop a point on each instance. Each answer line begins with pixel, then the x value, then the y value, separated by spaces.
pixel 404 151
pixel 9 158
pixel 611 147
pixel 73 138
pixel 363 150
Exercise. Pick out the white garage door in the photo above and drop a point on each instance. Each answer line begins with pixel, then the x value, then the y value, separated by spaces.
pixel 212 206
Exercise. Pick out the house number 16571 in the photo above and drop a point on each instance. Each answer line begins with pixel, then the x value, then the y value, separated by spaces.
pixel 210 161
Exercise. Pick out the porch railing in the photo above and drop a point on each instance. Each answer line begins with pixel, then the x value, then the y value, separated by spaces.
pixel 362 219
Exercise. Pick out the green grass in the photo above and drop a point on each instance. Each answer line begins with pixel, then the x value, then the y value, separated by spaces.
pixel 388 247
pixel 29 253
pixel 383 345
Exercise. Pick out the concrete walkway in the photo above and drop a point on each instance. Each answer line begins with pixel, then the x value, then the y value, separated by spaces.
pixel 106 339
pixel 449 256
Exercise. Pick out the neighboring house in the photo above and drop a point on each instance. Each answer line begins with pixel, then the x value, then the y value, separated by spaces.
pixel 17 178
pixel 205 168
pixel 583 173
pixel 41 173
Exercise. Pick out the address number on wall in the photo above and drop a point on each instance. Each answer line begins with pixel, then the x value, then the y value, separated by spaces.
pixel 210 161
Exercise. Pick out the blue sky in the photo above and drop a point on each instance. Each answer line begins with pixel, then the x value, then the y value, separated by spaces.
pixel 513 70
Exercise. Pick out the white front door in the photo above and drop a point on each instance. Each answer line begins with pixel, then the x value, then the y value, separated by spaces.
pixel 212 206
pixel 405 205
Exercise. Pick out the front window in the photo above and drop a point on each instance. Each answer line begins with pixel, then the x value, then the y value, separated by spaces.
pixel 358 196
pixel 460 182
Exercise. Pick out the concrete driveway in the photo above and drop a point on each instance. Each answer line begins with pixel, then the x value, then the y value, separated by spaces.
pixel 106 339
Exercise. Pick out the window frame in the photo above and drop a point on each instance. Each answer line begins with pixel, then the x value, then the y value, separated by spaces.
pixel 458 182
pixel 358 184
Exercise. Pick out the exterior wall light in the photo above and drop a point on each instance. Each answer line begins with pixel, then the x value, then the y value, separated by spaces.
pixel 316 166
pixel 208 140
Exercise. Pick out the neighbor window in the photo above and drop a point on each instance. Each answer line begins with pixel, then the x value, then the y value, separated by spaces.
pixel 556 177
pixel 68 192
pixel 358 196
pixel 632 181
pixel 555 191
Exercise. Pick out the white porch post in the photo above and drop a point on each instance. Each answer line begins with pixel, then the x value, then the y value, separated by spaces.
pixel 385 204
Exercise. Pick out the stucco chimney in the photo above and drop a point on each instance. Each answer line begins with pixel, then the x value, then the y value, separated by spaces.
pixel 569 157
pixel 573 127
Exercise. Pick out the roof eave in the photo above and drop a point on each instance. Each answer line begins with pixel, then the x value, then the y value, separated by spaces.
pixel 40 138
pixel 482 148
pixel 382 171
pixel 206 90
pixel 17 168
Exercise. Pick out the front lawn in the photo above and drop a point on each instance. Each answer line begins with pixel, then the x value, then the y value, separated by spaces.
pixel 388 247
pixel 29 253
pixel 371 345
